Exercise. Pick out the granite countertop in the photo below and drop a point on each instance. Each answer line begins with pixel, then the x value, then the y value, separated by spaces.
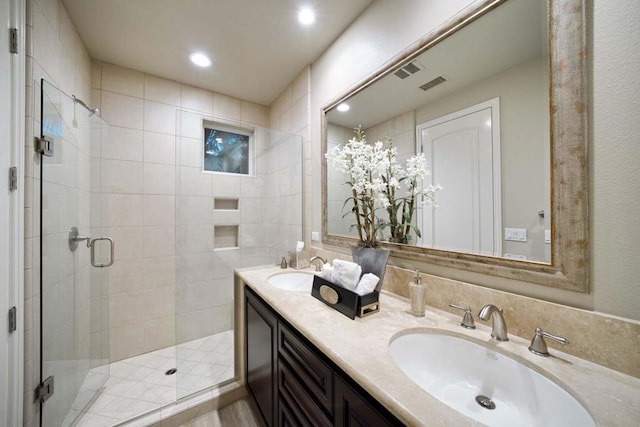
pixel 360 348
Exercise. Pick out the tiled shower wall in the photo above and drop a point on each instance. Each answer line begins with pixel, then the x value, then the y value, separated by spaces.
pixel 54 52
pixel 139 175
pixel 290 113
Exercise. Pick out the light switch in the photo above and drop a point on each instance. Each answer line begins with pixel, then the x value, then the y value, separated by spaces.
pixel 516 256
pixel 547 236
pixel 515 234
pixel 315 236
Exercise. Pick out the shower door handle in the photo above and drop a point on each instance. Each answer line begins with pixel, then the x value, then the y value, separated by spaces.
pixel 92 244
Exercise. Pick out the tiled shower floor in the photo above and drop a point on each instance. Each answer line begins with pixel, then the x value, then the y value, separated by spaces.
pixel 139 384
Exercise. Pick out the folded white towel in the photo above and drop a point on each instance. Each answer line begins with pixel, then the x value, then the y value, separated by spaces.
pixel 367 284
pixel 346 274
pixel 327 272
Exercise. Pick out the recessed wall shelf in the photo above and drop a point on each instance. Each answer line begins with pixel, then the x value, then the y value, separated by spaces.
pixel 225 237
pixel 225 204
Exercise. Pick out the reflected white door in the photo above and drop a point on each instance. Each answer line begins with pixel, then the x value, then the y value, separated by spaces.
pixel 463 152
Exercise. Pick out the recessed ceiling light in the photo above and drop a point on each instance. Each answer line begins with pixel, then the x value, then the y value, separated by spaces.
pixel 343 107
pixel 200 59
pixel 306 16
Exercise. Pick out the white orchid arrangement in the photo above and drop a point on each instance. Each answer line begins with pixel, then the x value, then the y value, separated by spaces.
pixel 377 179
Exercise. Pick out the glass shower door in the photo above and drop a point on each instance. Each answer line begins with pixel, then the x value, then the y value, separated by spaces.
pixel 74 295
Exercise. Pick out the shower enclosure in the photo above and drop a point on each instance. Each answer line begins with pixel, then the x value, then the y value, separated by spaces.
pixel 137 281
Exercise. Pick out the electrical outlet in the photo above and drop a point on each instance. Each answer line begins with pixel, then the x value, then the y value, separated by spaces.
pixel 515 234
pixel 315 236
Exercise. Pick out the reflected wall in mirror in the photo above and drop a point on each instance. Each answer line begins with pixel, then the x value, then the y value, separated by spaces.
pixel 495 101
pixel 477 105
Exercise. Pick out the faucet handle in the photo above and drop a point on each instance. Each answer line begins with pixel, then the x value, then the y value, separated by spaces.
pixel 467 319
pixel 539 346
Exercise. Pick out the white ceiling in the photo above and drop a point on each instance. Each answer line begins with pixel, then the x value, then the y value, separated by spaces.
pixel 257 46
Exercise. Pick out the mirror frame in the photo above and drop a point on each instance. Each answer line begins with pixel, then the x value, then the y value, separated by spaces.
pixel 568 106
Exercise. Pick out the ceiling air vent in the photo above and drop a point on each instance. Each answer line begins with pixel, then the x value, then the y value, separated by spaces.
pixel 407 70
pixel 433 83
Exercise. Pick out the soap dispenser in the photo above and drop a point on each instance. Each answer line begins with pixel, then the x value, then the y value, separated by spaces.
pixel 417 294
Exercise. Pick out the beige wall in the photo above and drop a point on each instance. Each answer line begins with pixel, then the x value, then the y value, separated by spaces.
pixel 524 145
pixel 386 28
pixel 54 52
pixel 290 113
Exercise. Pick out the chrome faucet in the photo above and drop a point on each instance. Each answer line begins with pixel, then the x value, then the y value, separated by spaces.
pixel 499 327
pixel 539 346
pixel 318 265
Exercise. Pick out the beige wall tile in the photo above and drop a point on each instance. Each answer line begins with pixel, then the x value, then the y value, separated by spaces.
pixel 160 333
pixel 129 242
pixel 191 125
pixel 161 90
pixel 194 238
pixel 123 210
pixel 121 110
pixel 159 148
pixel 191 152
pixel 126 341
pixel 227 107
pixel 194 324
pixel 124 309
pixel 159 241
pixel 50 10
pixel 253 113
pixel 193 182
pixel 192 210
pixel 252 210
pixel 160 118
pixel 125 276
pixel 96 75
pixel 194 98
pixel 159 179
pixel 122 144
pixel 300 85
pixel 122 80
pixel 46 47
pixel 159 302
pixel 118 176
pixel 159 210
pixel 159 272
pixel 226 185
pixel 221 217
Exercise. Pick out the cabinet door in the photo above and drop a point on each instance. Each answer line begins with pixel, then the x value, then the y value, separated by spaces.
pixel 260 341
pixel 353 409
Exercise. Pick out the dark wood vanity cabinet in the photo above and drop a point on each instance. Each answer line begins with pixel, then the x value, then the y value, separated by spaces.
pixel 261 355
pixel 294 384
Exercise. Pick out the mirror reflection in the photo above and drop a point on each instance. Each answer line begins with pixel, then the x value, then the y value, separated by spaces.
pixel 477 106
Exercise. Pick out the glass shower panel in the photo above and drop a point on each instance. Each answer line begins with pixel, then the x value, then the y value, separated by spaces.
pixel 226 221
pixel 74 298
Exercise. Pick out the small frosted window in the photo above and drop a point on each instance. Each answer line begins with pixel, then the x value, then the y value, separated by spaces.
pixel 226 151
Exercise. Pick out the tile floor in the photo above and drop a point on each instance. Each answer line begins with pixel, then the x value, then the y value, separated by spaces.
pixel 139 384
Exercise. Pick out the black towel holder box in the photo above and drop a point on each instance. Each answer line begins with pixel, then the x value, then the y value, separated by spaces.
pixel 343 300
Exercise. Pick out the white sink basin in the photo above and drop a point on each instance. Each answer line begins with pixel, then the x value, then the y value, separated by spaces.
pixel 292 281
pixel 456 371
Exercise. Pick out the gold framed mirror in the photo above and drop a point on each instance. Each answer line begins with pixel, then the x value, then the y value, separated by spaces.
pixel 565 264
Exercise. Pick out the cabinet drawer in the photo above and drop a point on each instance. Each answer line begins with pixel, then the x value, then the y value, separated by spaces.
pixel 297 407
pixel 313 372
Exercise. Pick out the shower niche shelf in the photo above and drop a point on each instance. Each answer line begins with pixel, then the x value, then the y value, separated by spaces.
pixel 225 204
pixel 225 237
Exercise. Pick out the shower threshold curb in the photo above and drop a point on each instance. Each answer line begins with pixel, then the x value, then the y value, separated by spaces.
pixel 189 408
